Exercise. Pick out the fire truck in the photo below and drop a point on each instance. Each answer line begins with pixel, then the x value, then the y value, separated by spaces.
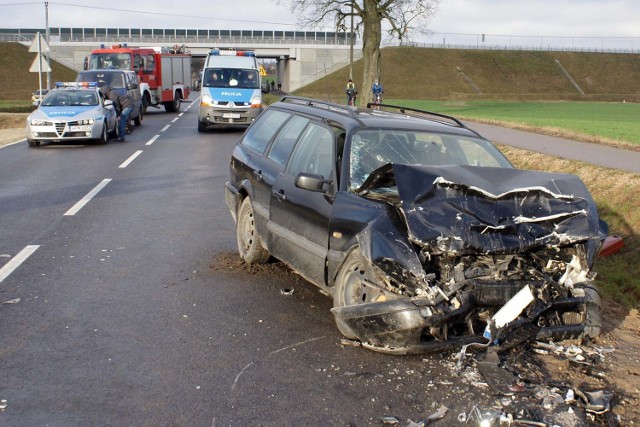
pixel 164 73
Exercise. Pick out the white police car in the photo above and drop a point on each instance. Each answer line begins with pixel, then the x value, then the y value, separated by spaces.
pixel 73 111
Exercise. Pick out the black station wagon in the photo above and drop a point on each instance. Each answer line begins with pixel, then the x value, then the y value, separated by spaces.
pixel 421 229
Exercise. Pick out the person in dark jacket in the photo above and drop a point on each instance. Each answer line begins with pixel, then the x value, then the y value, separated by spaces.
pixel 123 104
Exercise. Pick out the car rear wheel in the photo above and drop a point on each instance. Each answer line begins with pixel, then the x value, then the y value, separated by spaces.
pixel 249 243
pixel 350 288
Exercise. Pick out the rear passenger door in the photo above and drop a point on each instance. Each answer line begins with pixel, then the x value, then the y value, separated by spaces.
pixel 253 171
pixel 299 219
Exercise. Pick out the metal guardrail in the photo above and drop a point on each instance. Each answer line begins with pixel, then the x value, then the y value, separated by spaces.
pixel 518 48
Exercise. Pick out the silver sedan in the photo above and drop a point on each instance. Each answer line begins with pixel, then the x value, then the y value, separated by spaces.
pixel 72 112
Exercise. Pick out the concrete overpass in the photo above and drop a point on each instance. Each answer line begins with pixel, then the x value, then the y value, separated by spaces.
pixel 301 57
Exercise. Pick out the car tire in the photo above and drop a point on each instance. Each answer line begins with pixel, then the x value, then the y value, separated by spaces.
pixel 138 120
pixel 33 143
pixel 349 288
pixel 146 101
pixel 249 243
pixel 174 105
pixel 104 136
pixel 202 126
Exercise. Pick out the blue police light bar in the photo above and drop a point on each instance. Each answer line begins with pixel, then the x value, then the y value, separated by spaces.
pixel 218 52
pixel 76 84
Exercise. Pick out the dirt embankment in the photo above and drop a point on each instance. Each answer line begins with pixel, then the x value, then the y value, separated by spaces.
pixel 12 127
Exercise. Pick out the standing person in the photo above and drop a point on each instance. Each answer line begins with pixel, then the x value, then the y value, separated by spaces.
pixel 351 93
pixel 377 91
pixel 123 105
pixel 273 86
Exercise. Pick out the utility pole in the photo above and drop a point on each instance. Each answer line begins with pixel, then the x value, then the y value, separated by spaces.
pixel 46 19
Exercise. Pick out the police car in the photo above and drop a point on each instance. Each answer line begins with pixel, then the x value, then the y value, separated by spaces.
pixel 70 112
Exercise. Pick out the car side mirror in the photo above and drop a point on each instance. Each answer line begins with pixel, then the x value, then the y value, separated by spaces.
pixel 133 86
pixel 36 104
pixel 312 182
pixel 108 103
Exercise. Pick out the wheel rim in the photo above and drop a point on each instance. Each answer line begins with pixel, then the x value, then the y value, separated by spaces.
pixel 354 290
pixel 246 230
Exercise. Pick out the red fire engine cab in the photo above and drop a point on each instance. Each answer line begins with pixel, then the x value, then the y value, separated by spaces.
pixel 164 73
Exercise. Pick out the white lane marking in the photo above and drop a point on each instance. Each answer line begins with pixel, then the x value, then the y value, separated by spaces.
pixel 181 114
pixel 152 140
pixel 175 120
pixel 12 143
pixel 130 159
pixel 90 195
pixel 165 128
pixel 17 261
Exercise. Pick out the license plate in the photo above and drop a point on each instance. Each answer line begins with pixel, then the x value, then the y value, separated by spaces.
pixel 230 115
pixel 79 128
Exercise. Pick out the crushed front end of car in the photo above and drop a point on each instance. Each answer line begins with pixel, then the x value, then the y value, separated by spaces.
pixel 463 242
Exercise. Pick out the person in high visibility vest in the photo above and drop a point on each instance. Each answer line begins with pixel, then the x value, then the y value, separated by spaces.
pixel 351 93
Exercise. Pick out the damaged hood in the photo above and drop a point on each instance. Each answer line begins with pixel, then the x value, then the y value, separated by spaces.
pixel 461 210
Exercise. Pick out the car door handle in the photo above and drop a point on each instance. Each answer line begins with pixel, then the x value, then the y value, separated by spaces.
pixel 279 195
pixel 257 175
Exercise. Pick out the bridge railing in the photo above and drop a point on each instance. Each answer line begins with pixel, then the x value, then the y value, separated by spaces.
pixel 179 36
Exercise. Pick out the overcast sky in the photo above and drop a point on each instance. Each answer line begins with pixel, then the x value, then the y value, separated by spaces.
pixel 568 18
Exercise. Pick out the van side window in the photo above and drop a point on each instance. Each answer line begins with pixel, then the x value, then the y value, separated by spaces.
pixel 263 130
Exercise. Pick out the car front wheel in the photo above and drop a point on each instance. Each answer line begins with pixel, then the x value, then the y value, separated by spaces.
pixel 104 134
pixel 249 243
pixel 351 289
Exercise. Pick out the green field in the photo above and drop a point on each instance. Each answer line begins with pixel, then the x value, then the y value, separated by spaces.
pixel 606 120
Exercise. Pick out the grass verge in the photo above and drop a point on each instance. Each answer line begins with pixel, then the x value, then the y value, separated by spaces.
pixel 16 106
pixel 615 193
pixel 599 122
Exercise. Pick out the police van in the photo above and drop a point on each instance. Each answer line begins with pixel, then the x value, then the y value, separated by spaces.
pixel 230 93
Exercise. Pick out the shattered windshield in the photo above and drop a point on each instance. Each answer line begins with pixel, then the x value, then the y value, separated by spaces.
pixel 373 148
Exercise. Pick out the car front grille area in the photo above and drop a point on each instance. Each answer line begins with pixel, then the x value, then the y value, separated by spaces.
pixel 61 131
pixel 219 119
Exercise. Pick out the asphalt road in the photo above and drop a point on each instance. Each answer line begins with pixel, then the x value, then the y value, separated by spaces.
pixel 133 308
pixel 595 154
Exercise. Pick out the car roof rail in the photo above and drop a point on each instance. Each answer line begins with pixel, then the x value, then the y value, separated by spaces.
pixel 403 110
pixel 338 108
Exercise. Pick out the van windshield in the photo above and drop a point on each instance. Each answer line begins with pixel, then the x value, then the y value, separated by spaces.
pixel 231 77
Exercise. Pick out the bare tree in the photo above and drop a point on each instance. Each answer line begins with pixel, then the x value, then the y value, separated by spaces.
pixel 403 18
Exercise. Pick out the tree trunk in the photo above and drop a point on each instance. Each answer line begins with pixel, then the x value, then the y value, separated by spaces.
pixel 371 38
